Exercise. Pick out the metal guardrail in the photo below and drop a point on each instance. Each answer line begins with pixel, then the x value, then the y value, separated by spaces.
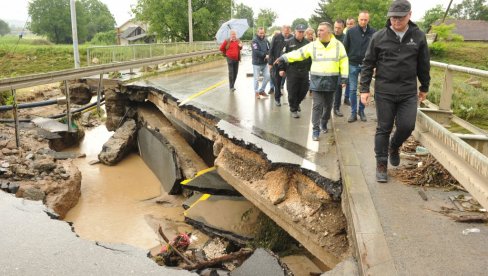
pixel 464 156
pixel 71 74
pixel 32 80
pixel 121 53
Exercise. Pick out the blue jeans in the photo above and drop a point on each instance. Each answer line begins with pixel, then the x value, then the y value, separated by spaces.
pixel 354 71
pixel 257 69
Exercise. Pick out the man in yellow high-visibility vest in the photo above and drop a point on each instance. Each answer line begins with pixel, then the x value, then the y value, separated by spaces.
pixel 329 61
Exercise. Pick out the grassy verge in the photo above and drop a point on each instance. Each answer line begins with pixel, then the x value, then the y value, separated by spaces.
pixel 470 99
pixel 34 55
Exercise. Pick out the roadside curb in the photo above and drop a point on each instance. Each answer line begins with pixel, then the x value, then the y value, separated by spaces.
pixel 365 231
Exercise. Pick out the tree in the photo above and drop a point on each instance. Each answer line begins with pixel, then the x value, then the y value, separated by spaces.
pixel 321 15
pixel 100 18
pixel 266 18
pixel 299 21
pixel 52 18
pixel 431 16
pixel 330 10
pixel 4 28
pixel 243 11
pixel 168 19
pixel 470 9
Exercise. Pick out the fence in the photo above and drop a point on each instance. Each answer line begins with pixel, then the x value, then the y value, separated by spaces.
pixel 119 53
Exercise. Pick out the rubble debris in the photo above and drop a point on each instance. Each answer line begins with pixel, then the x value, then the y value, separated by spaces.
pixel 209 181
pixel 120 144
pixel 176 246
pixel 241 254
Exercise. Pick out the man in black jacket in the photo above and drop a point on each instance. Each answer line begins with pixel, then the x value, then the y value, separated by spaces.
pixel 296 73
pixel 277 45
pixel 356 42
pixel 400 55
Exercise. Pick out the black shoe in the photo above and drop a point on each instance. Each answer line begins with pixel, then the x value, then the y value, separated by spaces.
pixel 352 118
pixel 381 172
pixel 347 102
pixel 271 91
pixel 338 113
pixel 394 156
pixel 315 135
pixel 362 116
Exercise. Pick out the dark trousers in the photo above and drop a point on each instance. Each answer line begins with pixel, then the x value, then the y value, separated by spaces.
pixel 398 109
pixel 297 86
pixel 321 107
pixel 233 66
pixel 338 96
pixel 277 82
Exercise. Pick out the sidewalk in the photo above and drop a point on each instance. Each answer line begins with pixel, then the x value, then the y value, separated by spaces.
pixel 396 230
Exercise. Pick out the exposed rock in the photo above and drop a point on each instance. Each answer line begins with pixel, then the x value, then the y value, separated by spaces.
pixel 45 164
pixel 21 171
pixel 33 193
pixel 115 105
pixel 80 93
pixel 11 145
pixel 121 142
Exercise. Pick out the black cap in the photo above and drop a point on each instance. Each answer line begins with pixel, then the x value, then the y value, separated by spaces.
pixel 399 8
pixel 300 28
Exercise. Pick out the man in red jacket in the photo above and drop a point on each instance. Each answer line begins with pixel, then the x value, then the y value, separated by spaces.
pixel 231 48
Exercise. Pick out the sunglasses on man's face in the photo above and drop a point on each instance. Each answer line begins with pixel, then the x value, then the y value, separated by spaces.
pixel 398 18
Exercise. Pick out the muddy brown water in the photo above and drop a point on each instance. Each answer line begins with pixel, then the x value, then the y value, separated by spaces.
pixel 114 204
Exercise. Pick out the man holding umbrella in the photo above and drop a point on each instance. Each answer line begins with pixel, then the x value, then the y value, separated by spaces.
pixel 231 48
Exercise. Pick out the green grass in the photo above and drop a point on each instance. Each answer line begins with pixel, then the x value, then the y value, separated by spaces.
pixel 468 54
pixel 35 55
pixel 470 99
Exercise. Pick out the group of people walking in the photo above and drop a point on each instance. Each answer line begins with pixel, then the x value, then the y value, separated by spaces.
pixel 396 56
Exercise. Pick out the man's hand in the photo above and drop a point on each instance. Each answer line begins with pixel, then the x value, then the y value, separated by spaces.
pixel 278 61
pixel 422 96
pixel 266 57
pixel 365 98
pixel 282 74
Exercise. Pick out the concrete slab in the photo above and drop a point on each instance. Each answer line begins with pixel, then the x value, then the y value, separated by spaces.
pixel 210 182
pixel 51 125
pixel 161 158
pixel 236 218
pixel 33 244
pixel 261 263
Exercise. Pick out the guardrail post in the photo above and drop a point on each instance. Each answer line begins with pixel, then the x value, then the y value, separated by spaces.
pixel 99 93
pixel 88 59
pixel 447 88
pixel 16 118
pixel 68 105
pixel 150 50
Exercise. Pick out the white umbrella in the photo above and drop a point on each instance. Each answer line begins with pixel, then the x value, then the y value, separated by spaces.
pixel 238 25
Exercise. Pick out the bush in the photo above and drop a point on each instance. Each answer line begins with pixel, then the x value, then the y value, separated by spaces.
pixel 438 49
pixel 104 38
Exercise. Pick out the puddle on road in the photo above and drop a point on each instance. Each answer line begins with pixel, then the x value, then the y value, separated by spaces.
pixel 112 207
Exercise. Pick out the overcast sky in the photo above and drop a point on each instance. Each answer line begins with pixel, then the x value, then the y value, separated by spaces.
pixel 287 10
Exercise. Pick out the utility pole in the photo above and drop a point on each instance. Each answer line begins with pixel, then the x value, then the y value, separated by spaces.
pixel 231 8
pixel 190 22
pixel 74 31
